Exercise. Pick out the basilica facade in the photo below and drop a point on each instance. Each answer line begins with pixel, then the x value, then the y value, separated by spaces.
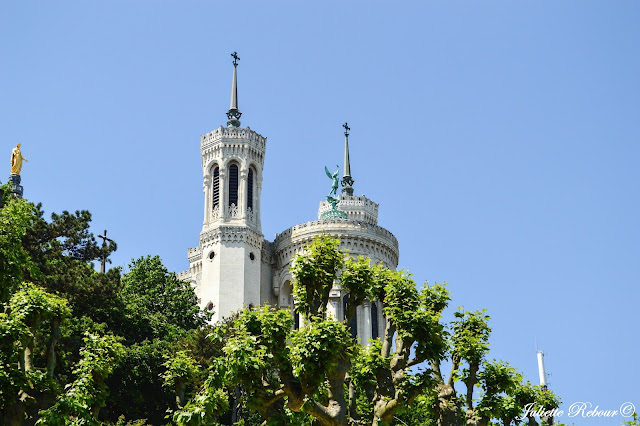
pixel 234 266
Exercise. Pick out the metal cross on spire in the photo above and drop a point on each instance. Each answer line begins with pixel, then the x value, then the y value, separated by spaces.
pixel 346 128
pixel 236 58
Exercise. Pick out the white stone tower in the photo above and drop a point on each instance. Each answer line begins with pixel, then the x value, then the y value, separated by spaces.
pixel 226 266
pixel 234 266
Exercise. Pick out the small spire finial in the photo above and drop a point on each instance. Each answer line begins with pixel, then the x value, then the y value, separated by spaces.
pixel 234 114
pixel 347 180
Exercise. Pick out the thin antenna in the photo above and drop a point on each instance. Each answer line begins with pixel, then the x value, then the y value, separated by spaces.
pixel 541 370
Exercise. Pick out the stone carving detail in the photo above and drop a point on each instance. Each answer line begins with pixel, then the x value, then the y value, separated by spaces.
pixel 231 234
pixel 357 236
pixel 357 208
pixel 215 214
pixel 232 212
pixel 249 214
pixel 240 136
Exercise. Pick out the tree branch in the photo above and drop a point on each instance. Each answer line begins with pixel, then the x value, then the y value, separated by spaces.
pixel 455 364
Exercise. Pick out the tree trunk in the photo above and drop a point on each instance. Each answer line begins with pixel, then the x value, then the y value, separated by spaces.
pixel 29 343
pixel 449 412
pixel 353 396
pixel 99 381
pixel 51 346
pixel 471 382
pixel 14 415
pixel 181 388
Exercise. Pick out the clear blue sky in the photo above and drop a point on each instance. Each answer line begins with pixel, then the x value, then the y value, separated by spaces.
pixel 501 139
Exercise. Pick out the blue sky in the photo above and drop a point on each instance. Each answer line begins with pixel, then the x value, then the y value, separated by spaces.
pixel 499 137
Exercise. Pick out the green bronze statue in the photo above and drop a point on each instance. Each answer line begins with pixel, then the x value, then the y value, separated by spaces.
pixel 332 198
pixel 334 177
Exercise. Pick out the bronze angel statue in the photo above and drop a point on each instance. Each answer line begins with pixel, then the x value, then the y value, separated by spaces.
pixel 334 177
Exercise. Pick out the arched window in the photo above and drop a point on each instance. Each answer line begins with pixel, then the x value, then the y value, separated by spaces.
pixel 233 184
pixel 216 188
pixel 374 320
pixel 250 189
pixel 353 322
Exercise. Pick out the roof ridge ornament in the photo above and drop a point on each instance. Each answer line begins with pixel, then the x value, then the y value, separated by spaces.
pixel 234 114
pixel 347 180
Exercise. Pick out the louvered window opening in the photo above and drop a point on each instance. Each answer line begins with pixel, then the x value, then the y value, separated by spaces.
pixel 250 190
pixel 353 322
pixel 216 187
pixel 233 185
pixel 374 320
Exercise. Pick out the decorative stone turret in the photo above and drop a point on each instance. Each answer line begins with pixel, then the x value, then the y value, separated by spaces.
pixel 226 266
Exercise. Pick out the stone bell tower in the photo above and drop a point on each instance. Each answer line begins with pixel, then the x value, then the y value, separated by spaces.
pixel 226 267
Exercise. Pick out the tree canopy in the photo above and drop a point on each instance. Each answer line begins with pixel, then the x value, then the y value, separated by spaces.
pixel 82 347
pixel 318 374
pixel 78 346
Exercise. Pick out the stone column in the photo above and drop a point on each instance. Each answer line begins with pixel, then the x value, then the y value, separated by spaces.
pixel 242 192
pixel 334 305
pixel 360 325
pixel 224 194
pixel 206 188
pixel 382 321
pixel 366 322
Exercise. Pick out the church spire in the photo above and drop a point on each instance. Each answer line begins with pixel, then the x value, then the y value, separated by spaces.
pixel 347 180
pixel 234 114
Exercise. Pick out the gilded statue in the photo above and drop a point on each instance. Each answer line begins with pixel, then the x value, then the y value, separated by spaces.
pixel 16 160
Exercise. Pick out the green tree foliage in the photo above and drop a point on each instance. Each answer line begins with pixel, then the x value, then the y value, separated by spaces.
pixel 22 384
pixel 318 374
pixel 73 340
pixel 634 420
pixel 81 401
pixel 181 370
pixel 157 311
pixel 16 218
pixel 158 303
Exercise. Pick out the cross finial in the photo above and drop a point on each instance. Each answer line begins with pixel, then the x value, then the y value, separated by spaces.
pixel 346 128
pixel 103 261
pixel 236 58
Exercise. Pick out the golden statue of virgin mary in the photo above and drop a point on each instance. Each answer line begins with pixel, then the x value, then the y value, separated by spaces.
pixel 16 160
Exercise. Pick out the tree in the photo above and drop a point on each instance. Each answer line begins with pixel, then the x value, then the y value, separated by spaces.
pixel 158 310
pixel 16 218
pixel 319 370
pixel 82 399
pixel 158 298
pixel 59 319
pixel 36 316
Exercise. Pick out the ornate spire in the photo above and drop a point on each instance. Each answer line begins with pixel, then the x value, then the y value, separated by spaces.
pixel 347 180
pixel 234 115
